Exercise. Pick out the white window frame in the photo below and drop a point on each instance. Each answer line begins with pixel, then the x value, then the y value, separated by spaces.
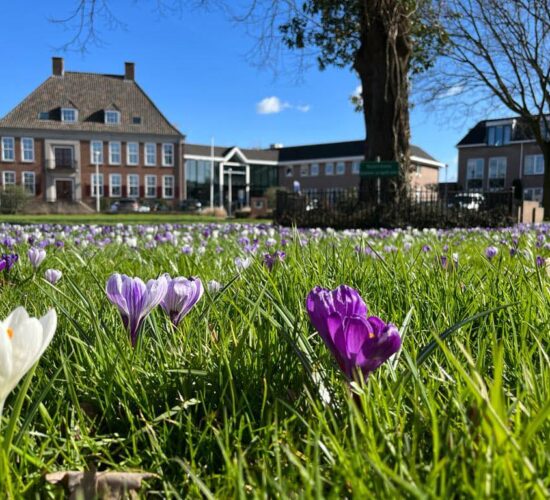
pixel 533 161
pixel 24 150
pixel 304 170
pixel 93 185
pixel 33 191
pixel 164 155
pixel 529 194
pixel 499 160
pixel 112 112
pixel 111 185
pixel 128 153
pixel 129 185
pixel 340 168
pixel 92 159
pixel 111 161
pixel 11 148
pixel 75 111
pixel 329 171
pixel 356 167
pixel 4 184
pixel 147 186
pixel 147 163
pixel 164 195
pixel 314 170
pixel 479 162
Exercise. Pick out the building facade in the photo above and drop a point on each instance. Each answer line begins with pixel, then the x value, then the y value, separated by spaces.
pixel 52 141
pixel 250 172
pixel 496 155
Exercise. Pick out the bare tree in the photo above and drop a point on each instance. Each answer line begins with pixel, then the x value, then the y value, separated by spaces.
pixel 499 53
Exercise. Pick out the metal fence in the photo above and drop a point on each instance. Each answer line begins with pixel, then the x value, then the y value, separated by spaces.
pixel 419 207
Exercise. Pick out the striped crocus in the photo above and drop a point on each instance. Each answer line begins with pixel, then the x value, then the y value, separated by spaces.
pixel 491 252
pixel 36 256
pixel 181 295
pixel 53 275
pixel 357 341
pixel 135 299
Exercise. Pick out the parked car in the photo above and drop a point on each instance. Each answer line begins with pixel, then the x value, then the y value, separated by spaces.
pixel 190 205
pixel 468 201
pixel 125 206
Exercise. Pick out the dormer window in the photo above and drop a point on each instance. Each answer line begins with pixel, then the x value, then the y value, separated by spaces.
pixel 69 115
pixel 499 135
pixel 112 117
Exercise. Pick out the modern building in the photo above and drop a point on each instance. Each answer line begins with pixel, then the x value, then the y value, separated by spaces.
pixel 499 154
pixel 329 167
pixel 51 141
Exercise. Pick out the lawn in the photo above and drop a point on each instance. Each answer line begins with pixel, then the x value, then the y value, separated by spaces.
pixel 244 399
pixel 108 219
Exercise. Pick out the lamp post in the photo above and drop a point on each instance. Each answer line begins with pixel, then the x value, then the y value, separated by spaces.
pixel 96 160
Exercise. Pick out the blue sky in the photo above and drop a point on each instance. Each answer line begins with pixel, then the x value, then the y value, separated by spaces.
pixel 195 68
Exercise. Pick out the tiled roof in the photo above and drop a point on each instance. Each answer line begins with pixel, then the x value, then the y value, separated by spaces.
pixel 478 133
pixel 300 153
pixel 90 94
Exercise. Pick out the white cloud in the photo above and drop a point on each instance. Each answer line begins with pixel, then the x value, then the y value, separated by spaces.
pixel 272 105
pixel 358 91
pixel 452 91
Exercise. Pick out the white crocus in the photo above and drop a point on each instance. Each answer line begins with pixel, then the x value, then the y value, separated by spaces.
pixel 23 340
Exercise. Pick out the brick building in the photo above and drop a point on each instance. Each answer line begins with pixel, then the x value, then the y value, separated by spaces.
pixel 497 154
pixel 50 142
pixel 331 166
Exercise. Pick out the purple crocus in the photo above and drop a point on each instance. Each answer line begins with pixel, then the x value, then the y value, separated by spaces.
pixel 540 261
pixel 491 252
pixel 182 294
pixel 357 342
pixel 7 261
pixel 53 275
pixel 36 256
pixel 135 299
pixel 270 259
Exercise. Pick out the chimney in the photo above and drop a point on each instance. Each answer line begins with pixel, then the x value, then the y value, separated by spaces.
pixel 129 71
pixel 57 66
pixel 276 146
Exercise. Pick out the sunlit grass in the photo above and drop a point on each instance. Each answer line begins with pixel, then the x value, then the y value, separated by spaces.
pixel 231 403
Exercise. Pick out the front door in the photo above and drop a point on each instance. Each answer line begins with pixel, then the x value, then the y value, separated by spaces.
pixel 64 190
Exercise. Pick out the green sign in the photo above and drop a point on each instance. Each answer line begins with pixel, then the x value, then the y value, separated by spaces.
pixel 379 168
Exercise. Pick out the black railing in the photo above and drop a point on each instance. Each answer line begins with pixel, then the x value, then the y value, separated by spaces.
pixel 339 208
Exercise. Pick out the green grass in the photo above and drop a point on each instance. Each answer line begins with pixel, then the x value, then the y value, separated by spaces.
pixel 108 219
pixel 229 405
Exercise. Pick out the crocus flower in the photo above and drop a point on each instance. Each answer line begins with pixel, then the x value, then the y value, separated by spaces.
pixel 270 259
pixel 53 275
pixel 490 252
pixel 135 299
pixel 357 342
pixel 540 261
pixel 213 287
pixel 181 296
pixel 242 263
pixel 23 340
pixel 7 261
pixel 36 256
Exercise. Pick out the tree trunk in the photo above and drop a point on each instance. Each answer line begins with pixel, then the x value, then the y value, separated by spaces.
pixel 382 62
pixel 545 147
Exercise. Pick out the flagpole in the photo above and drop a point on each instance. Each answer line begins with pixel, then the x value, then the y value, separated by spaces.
pixel 212 175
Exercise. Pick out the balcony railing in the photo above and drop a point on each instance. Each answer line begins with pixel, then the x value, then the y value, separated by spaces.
pixel 61 163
